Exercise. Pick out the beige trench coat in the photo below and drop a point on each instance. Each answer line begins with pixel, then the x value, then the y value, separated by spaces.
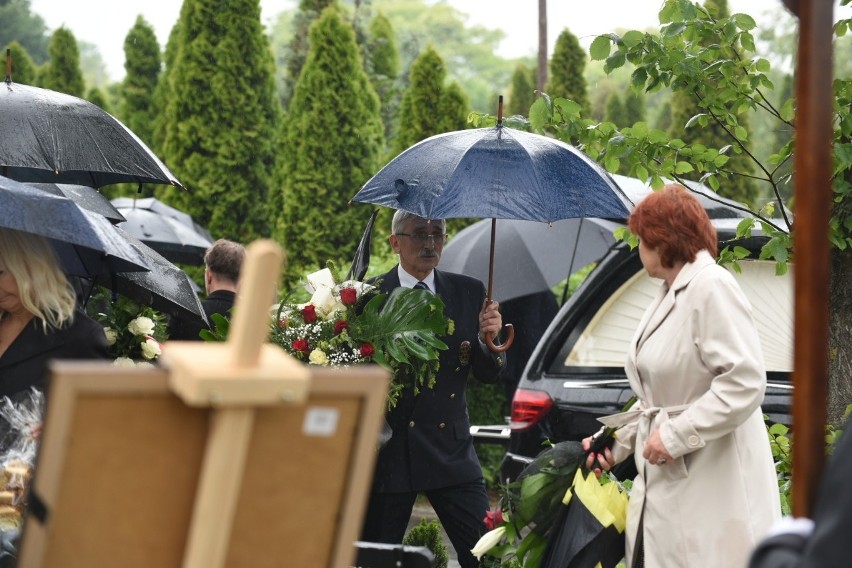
pixel 696 366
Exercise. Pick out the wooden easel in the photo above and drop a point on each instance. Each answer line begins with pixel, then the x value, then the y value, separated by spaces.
pixel 237 455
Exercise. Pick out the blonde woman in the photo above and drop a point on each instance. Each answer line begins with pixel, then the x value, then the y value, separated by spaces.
pixel 39 319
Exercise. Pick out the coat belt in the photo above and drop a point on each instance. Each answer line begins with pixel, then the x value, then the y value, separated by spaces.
pixel 643 417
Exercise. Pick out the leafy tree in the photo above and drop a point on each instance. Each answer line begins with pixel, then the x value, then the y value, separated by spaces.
pixel 634 107
pixel 24 70
pixel 566 70
pixel 62 73
pixel 521 91
pixel 714 58
pixel 18 23
pixel 297 50
pixel 222 117
pixel 333 143
pixel 383 65
pixel 142 64
pixel 686 105
pixel 428 103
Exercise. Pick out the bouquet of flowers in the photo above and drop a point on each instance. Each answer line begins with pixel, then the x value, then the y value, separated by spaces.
pixel 134 332
pixel 352 323
pixel 20 424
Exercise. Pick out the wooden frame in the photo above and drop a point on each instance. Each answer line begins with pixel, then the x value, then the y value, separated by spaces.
pixel 122 455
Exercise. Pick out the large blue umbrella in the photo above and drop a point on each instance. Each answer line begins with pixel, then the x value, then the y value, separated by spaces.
pixel 496 172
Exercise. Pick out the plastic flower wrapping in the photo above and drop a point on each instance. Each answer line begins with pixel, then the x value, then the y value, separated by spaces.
pixel 353 323
pixel 134 332
pixel 20 424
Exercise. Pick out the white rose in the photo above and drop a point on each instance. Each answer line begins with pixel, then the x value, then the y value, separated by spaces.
pixel 111 335
pixel 141 326
pixel 151 349
pixel 124 362
pixel 318 357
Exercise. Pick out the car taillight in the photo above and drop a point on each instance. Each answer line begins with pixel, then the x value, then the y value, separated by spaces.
pixel 528 407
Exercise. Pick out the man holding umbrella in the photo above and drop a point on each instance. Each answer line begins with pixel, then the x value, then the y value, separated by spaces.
pixel 431 450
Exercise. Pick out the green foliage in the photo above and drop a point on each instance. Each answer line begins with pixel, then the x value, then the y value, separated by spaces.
pixel 221 117
pixel 615 111
pixel 62 73
pixel 429 106
pixel 334 139
pixel 18 23
pixel 142 63
pixel 24 71
pixel 521 91
pixel 129 325
pixel 293 58
pixel 634 107
pixel 97 98
pixel 428 534
pixel 220 326
pixel 383 66
pixel 566 70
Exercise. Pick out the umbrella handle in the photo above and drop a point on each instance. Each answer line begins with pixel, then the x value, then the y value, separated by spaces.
pixel 510 338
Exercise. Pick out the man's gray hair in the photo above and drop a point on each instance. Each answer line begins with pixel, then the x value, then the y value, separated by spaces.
pixel 400 218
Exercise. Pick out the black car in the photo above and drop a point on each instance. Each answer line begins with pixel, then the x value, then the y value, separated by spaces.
pixel 576 373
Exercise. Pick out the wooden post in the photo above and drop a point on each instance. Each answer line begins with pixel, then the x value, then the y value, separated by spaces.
pixel 811 247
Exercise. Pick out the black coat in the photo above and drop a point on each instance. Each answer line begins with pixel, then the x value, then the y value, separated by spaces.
pixel 218 302
pixel 431 446
pixel 24 364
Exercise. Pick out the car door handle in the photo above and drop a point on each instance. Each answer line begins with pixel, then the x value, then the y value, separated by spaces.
pixel 594 384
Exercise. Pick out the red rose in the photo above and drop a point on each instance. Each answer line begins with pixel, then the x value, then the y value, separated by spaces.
pixel 493 519
pixel 301 345
pixel 309 313
pixel 367 350
pixel 348 296
pixel 339 326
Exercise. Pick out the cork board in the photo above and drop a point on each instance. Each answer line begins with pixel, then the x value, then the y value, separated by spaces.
pixel 121 457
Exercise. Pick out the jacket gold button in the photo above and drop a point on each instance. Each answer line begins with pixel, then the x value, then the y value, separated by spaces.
pixel 411 424
pixel 442 425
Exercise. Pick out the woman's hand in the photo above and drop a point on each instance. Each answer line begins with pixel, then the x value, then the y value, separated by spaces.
pixel 655 452
pixel 604 460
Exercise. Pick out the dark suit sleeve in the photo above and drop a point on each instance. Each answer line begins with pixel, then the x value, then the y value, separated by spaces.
pixel 829 544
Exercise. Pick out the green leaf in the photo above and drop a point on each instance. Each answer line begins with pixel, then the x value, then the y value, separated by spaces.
pixel 762 65
pixel 632 38
pixel 614 61
pixel 744 21
pixel 600 48
pixel 540 115
pixel 683 168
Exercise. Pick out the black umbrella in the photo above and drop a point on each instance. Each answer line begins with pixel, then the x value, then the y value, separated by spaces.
pixel 56 138
pixel 86 243
pixel 84 196
pixel 717 207
pixel 496 172
pixel 165 287
pixel 169 237
pixel 538 255
pixel 157 206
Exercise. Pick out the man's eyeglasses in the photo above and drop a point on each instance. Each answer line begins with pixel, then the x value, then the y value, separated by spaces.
pixel 422 238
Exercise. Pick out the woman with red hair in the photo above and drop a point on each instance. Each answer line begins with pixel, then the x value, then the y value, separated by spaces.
pixel 706 491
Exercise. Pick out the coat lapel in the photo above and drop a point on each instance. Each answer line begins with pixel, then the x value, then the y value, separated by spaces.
pixel 30 343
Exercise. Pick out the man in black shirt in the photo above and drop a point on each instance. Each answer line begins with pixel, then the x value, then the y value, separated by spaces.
pixel 223 262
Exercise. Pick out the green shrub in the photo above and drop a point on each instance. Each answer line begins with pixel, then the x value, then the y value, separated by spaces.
pixel 428 534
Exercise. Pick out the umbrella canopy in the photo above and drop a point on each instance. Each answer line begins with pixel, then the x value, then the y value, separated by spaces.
pixel 717 207
pixel 85 242
pixel 56 138
pixel 165 287
pixel 86 197
pixel 157 206
pixel 169 237
pixel 533 256
pixel 496 172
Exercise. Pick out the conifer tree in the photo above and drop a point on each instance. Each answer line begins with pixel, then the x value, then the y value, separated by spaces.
pixel 62 72
pixel 685 105
pixel 163 92
pixel 334 139
pixel 424 112
pixel 383 65
pixel 142 64
pixel 98 98
pixel 634 107
pixel 24 70
pixel 566 70
pixel 297 51
pixel 223 117
pixel 521 91
pixel 615 112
